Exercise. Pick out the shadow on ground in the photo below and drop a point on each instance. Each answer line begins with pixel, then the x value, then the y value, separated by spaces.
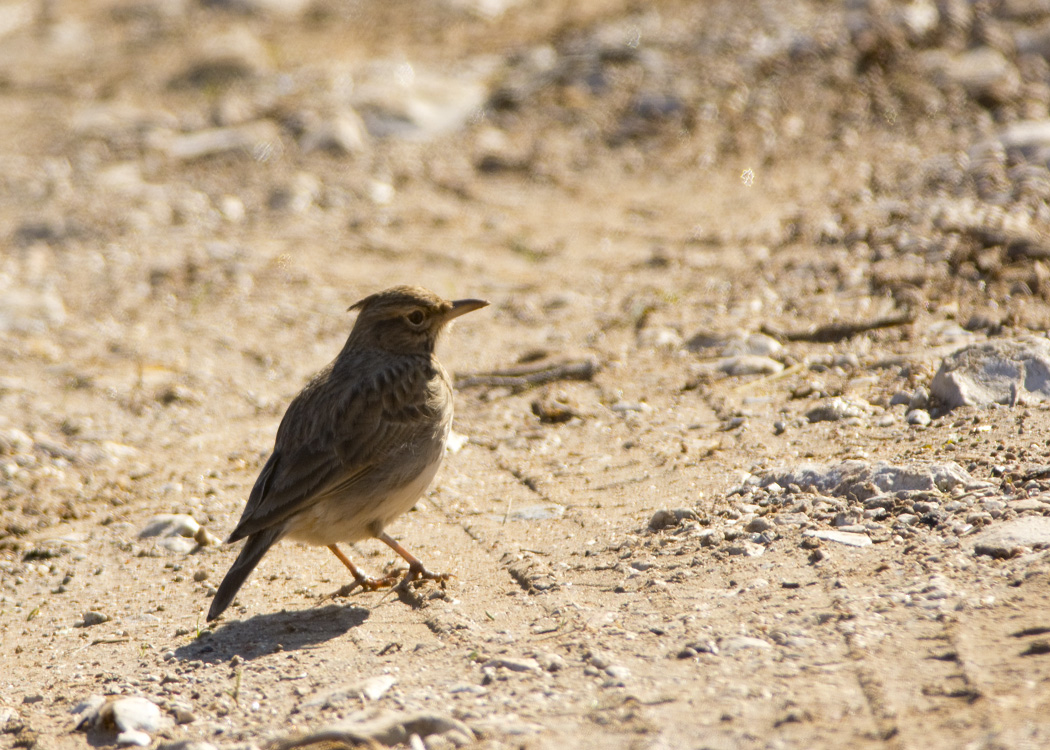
pixel 266 633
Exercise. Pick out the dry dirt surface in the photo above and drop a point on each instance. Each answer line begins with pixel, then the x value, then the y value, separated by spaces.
pixel 706 489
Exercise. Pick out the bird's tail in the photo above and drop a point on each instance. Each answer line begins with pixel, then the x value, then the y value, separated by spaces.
pixel 252 552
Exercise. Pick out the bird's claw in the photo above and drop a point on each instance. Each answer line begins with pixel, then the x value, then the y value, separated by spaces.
pixel 419 574
pixel 367 583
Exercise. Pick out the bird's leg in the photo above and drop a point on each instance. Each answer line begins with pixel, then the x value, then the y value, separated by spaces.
pixel 360 579
pixel 416 571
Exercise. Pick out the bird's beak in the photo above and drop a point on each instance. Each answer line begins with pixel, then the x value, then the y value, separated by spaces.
pixel 463 306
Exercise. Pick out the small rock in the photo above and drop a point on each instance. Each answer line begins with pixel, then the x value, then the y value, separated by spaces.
pixel 1030 138
pixel 749 364
pixel 599 659
pixel 741 643
pixel 791 519
pixel 253 138
pixel 919 399
pixel 541 512
pixel 758 525
pixel 180 545
pixel 376 687
pixel 918 417
pixel 550 662
pixel 28 310
pixel 514 665
pixel 755 345
pixel 665 519
pixel 134 737
pixel 837 408
pixel 134 718
pixel 343 133
pixel 170 525
pixel 182 714
pixel 900 397
pixel 997 372
pixel 401 100
pixel 1012 538
pixel 94 618
pixel 850 539
pixel 225 57
pixel 554 408
pixel 694 648
pixel 746 548
pixel 710 537
pixel 659 337
pixel 205 538
pixel 985 73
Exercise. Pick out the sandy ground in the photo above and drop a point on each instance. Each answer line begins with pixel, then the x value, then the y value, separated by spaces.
pixel 192 194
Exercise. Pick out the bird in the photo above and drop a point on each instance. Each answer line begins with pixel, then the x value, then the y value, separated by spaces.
pixel 361 442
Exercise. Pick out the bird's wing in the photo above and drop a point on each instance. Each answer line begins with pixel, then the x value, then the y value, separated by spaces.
pixel 330 440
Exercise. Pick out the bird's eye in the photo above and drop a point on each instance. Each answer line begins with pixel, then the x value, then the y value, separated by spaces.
pixel 416 317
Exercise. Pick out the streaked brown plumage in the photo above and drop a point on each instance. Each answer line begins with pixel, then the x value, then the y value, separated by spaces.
pixel 360 443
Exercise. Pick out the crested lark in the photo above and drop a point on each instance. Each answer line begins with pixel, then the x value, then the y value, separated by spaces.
pixel 360 443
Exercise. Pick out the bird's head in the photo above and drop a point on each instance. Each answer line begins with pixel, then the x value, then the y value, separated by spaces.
pixel 406 319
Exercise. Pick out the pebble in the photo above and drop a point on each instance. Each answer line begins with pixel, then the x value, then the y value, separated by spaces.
pixel 29 310
pixel 918 417
pixel 710 537
pixel 659 337
pixel 405 100
pixel 665 519
pixel 749 364
pixel 550 662
pixel 755 345
pixel 513 664
pixel 135 718
pixel 168 525
pixel 253 138
pixel 758 525
pixel 94 618
pixel 996 372
pixel 1029 137
pixel 746 548
pixel 223 57
pixel 985 73
pixel 600 659
pixel 741 643
pixel 837 408
pixel 205 538
pixel 848 538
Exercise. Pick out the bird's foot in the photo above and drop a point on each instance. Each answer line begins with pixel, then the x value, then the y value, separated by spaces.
pixel 417 574
pixel 367 583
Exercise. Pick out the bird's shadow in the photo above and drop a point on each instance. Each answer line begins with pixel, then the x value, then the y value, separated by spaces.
pixel 268 633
